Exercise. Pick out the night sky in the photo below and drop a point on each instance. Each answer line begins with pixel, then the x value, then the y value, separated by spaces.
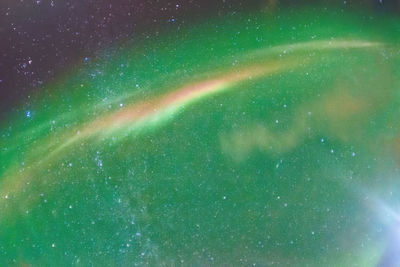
pixel 41 39
pixel 199 132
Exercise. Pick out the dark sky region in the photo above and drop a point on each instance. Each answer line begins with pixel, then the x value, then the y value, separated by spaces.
pixel 39 39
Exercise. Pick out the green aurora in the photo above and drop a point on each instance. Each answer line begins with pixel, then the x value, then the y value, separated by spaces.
pixel 248 140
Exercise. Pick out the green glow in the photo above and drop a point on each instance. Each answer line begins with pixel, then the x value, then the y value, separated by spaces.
pixel 260 141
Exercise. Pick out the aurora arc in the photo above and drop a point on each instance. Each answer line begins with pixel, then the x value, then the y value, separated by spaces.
pixel 140 113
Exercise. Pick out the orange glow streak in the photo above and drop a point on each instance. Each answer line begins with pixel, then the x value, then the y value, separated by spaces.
pixel 146 110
